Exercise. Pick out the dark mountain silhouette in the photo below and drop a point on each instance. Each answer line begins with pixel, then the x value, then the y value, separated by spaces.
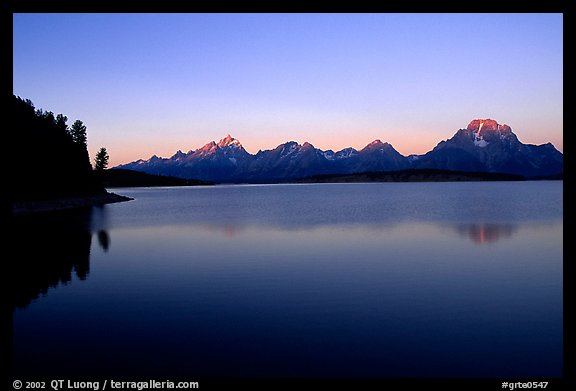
pixel 488 146
pixel 484 146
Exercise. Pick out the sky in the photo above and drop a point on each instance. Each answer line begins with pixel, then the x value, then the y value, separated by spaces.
pixel 147 84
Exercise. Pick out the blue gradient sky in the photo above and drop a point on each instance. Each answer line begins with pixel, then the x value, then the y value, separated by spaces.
pixel 154 83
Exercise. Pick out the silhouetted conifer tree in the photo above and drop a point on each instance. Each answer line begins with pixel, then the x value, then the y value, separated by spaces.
pixel 78 132
pixel 61 123
pixel 101 161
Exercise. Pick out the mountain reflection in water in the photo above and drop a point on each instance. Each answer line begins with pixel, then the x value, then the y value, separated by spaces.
pixel 50 249
pixel 480 233
pixel 296 281
pixel 485 233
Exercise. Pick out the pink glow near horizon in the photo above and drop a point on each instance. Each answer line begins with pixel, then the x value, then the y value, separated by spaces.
pixel 413 141
pixel 148 84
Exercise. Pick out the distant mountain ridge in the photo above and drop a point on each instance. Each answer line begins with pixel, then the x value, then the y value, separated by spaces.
pixel 483 146
pixel 488 146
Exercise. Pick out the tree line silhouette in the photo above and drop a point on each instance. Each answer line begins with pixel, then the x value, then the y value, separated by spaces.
pixel 50 158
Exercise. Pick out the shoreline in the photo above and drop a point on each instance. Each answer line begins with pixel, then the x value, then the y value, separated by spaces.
pixel 24 208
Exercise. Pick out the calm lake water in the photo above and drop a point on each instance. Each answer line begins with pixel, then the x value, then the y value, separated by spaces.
pixel 317 280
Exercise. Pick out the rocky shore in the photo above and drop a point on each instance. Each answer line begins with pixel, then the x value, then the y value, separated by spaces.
pixel 23 208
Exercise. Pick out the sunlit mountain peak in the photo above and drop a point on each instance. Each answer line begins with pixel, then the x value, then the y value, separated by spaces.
pixel 478 125
pixel 229 141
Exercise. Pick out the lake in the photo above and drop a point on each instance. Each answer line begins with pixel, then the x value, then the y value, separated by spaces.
pixel 369 280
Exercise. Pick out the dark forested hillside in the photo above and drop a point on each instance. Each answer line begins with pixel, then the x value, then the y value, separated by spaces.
pixel 116 177
pixel 48 158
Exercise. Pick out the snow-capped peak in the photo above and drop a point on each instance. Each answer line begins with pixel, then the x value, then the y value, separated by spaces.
pixel 229 141
pixel 485 131
pixel 346 153
pixel 477 125
pixel 485 125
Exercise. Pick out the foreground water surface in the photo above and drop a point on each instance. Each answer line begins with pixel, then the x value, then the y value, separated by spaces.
pixel 318 280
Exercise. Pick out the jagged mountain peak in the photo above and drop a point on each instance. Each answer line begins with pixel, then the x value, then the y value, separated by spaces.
pixel 227 145
pixel 485 145
pixel 209 147
pixel 178 155
pixel 229 141
pixel 375 145
pixel 288 147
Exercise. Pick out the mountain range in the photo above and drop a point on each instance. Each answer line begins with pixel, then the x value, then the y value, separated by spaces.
pixel 483 146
